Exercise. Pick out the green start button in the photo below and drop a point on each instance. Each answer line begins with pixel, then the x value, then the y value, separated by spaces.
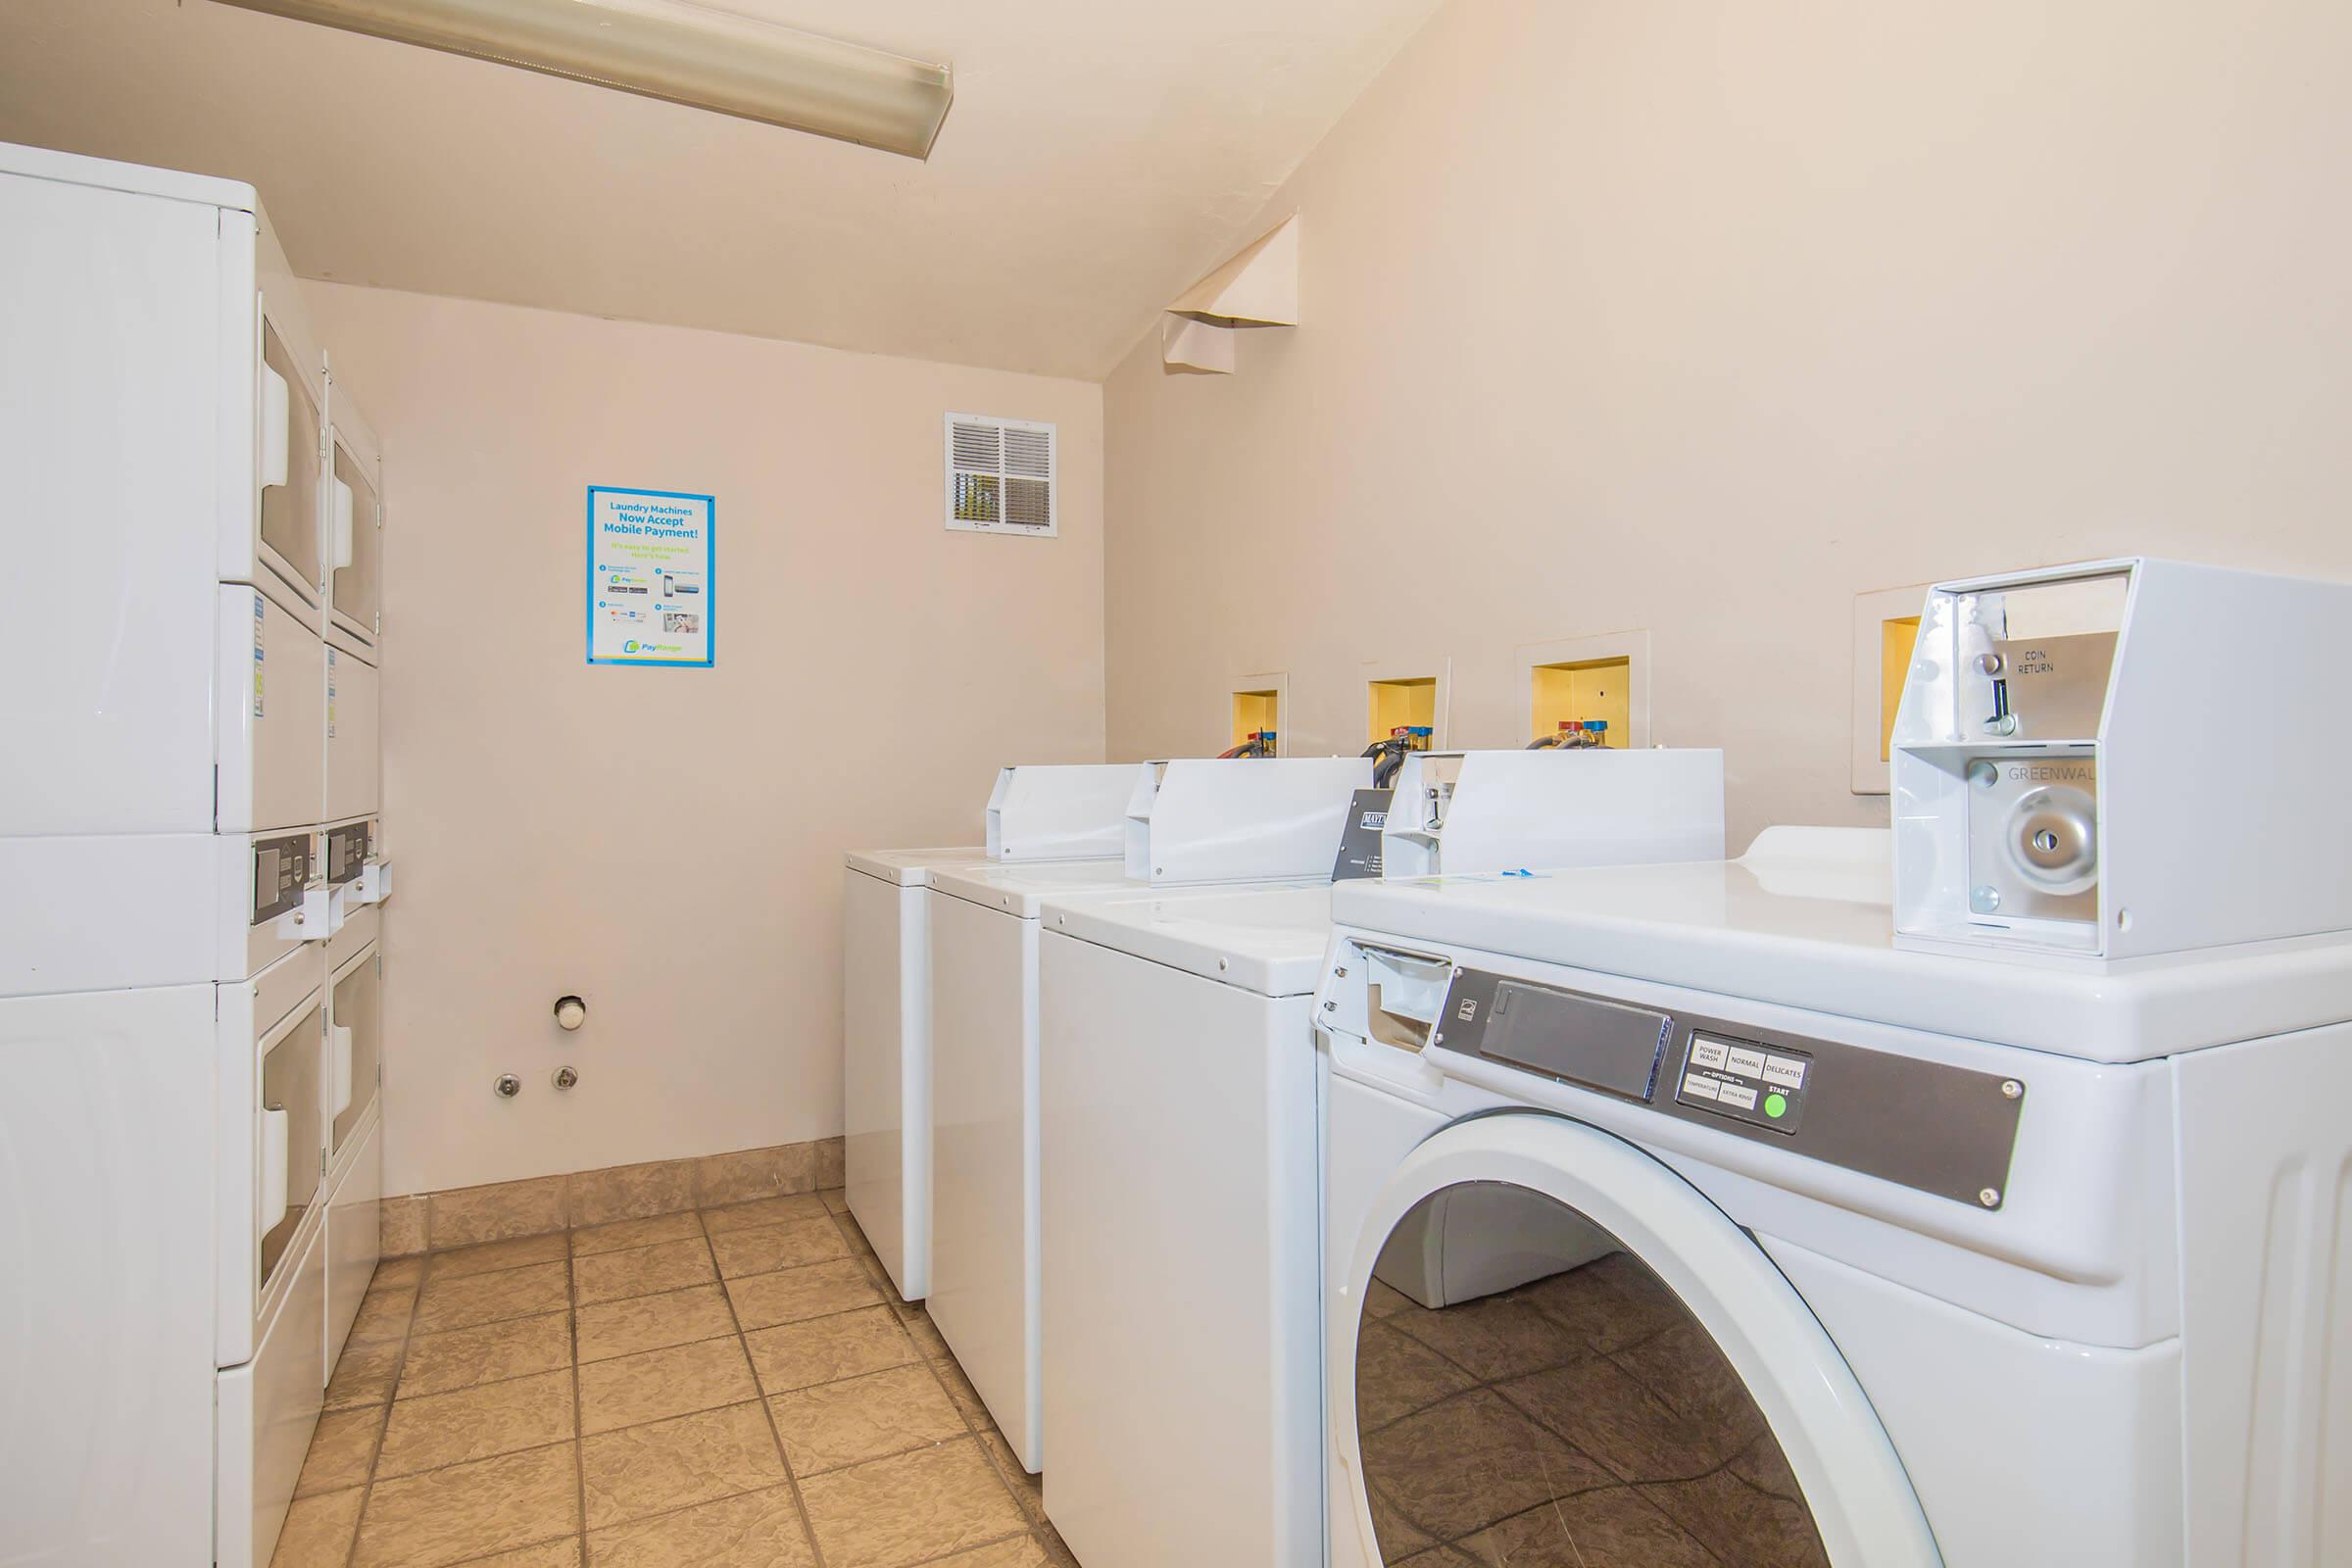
pixel 1776 1106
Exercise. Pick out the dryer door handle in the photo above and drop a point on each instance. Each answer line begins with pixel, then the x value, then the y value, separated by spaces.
pixel 342 525
pixel 271 1209
pixel 276 414
pixel 340 1061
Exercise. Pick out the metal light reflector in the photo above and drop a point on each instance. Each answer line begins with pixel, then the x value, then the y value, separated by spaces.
pixel 687 54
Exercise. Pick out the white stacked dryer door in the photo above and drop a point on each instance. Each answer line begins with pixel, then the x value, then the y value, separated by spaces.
pixel 352 488
pixel 355 1147
pixel 273 1276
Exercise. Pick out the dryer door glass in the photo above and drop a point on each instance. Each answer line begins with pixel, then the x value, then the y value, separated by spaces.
pixel 354 587
pixel 351 1045
pixel 1529 1391
pixel 290 511
pixel 287 1128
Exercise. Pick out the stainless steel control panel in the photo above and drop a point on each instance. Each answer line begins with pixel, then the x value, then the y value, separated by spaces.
pixel 347 851
pixel 1746 1080
pixel 1922 1124
pixel 281 869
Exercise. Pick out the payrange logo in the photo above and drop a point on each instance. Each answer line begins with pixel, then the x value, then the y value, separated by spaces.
pixel 629 647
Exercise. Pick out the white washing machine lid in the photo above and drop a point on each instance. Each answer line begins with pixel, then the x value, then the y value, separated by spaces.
pixel 911 868
pixel 1267 939
pixel 1020 890
pixel 1861 1499
pixel 1766 930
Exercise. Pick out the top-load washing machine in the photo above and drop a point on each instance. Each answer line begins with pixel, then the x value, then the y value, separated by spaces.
pixel 1199 823
pixel 1045 812
pixel 1181 1176
pixel 1879 1233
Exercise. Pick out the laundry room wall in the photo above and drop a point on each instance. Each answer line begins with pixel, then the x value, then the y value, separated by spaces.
pixel 1703 318
pixel 667 843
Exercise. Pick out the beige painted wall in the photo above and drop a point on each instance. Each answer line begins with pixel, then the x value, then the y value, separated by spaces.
pixel 1705 317
pixel 667 843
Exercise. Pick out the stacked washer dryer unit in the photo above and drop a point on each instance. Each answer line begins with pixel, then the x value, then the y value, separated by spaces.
pixel 1180 1141
pixel 1195 821
pixel 2000 1223
pixel 189 1012
pixel 1036 813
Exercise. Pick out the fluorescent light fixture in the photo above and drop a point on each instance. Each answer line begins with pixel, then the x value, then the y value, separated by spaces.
pixel 687 54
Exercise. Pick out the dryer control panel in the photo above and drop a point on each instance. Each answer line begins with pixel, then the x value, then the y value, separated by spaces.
pixel 1921 1123
pixel 281 869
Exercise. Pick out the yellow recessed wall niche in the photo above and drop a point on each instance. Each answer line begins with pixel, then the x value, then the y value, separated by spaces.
pixel 1600 678
pixel 1886 626
pixel 1255 713
pixel 1896 638
pixel 1583 692
pixel 1409 702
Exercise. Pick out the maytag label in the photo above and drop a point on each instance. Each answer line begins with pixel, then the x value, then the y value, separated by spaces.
pixel 1360 839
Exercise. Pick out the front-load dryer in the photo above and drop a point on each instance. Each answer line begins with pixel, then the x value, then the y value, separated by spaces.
pixel 1857 1256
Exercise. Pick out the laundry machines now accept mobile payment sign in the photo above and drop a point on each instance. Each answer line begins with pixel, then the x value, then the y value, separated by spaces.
pixel 651 555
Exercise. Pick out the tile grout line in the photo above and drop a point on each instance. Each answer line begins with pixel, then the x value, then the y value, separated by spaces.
pixel 579 1413
pixel 979 1440
pixel 767 1414
pixel 351 1549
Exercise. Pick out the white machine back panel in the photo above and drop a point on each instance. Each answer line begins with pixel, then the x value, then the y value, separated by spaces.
pixel 1507 811
pixel 1210 819
pixel 1060 813
pixel 109 308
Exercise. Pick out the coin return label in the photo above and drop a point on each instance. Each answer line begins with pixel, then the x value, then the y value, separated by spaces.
pixel 1745 1079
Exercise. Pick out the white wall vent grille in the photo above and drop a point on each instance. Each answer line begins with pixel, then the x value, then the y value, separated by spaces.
pixel 1001 476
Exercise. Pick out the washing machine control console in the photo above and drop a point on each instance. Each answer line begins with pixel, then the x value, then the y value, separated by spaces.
pixel 1746 1080
pixel 1902 1118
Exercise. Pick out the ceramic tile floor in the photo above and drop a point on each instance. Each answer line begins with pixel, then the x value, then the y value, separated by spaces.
pixel 738 1388
pixel 1584 1421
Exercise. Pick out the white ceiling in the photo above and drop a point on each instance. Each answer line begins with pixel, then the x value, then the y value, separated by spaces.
pixel 1101 155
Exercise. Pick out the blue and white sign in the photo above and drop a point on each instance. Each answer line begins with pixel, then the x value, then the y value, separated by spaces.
pixel 650 557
